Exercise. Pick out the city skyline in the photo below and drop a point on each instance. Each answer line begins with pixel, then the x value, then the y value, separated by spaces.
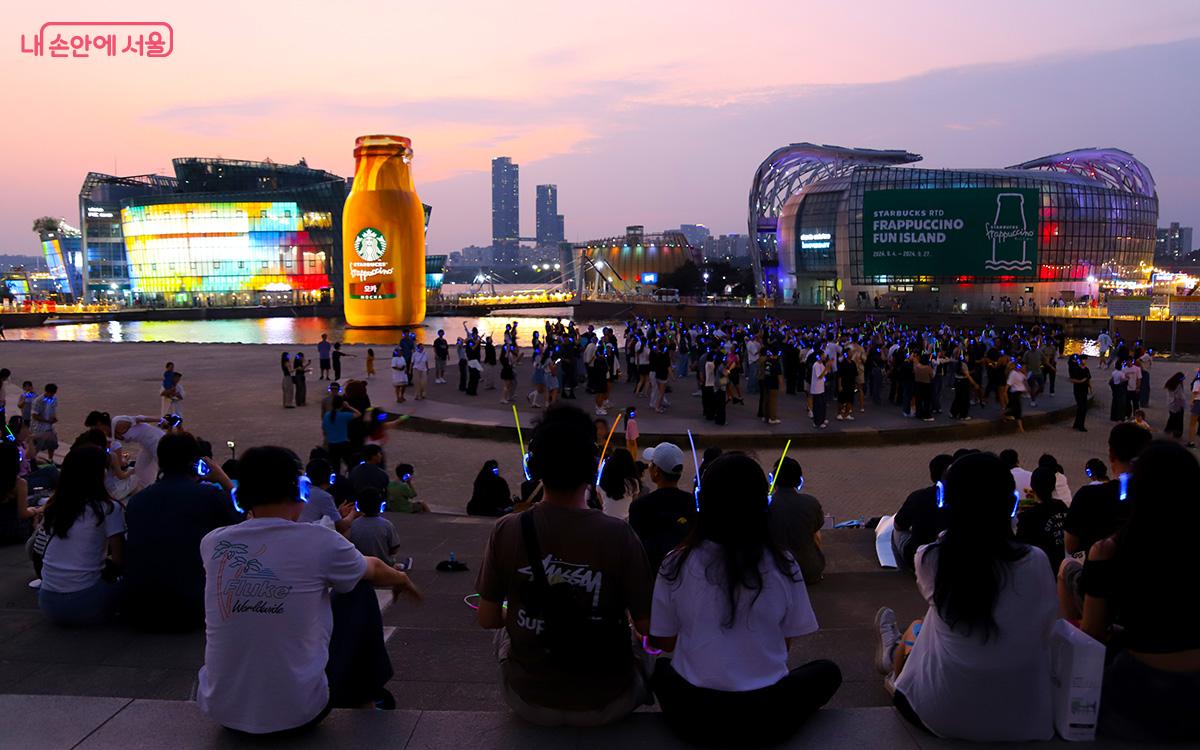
pixel 668 137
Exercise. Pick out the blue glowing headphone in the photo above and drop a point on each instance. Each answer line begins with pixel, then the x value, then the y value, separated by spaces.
pixel 382 506
pixel 941 494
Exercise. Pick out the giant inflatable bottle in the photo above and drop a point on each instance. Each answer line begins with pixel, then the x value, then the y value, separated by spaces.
pixel 383 237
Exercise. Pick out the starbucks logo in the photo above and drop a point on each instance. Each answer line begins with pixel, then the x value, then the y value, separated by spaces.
pixel 370 244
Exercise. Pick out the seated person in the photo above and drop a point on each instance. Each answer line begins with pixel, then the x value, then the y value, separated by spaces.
pixel 978 666
pixel 1062 487
pixel 164 575
pixel 16 514
pixel 372 534
pixel 577 668
pixel 401 496
pixel 87 543
pixel 1132 583
pixel 663 517
pixel 369 473
pixel 795 520
pixel 1097 512
pixel 1040 520
pixel 729 602
pixel 292 624
pixel 920 519
pixel 489 493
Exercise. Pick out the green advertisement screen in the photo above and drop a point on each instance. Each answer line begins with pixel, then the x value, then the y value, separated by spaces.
pixel 950 232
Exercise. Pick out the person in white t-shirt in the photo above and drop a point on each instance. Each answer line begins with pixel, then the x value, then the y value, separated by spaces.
pixel 420 370
pixel 978 666
pixel 728 682
pixel 399 374
pixel 87 529
pixel 1018 386
pixel 292 624
pixel 816 390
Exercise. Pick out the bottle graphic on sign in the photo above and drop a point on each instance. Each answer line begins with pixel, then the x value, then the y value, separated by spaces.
pixel 383 237
pixel 1010 235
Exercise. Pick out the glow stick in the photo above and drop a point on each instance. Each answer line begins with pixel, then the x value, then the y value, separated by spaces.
pixel 696 464
pixel 611 430
pixel 771 491
pixel 521 441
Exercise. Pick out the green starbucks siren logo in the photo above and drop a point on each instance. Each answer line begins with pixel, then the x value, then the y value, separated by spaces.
pixel 370 244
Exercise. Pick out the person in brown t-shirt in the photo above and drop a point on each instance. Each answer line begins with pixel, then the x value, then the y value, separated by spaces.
pixel 602 560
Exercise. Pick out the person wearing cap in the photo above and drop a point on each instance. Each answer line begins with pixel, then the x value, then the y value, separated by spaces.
pixel 663 518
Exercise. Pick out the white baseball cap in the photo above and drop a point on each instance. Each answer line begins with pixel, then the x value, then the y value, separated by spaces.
pixel 666 456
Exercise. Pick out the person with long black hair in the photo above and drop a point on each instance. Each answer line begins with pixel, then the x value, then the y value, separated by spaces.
pixel 87 531
pixel 1133 579
pixel 489 494
pixel 15 512
pixel 618 485
pixel 978 666
pixel 1176 403
pixel 289 382
pixel 728 603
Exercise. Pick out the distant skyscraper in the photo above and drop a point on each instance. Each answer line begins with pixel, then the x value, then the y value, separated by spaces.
pixel 506 211
pixel 549 220
pixel 695 234
pixel 1173 243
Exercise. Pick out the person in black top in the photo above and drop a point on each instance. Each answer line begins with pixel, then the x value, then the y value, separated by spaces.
pixel 164 575
pixel 1097 510
pixel 441 353
pixel 1138 579
pixel 662 518
pixel 1081 383
pixel 489 495
pixel 369 474
pixel 337 356
pixel 1040 523
pixel 920 520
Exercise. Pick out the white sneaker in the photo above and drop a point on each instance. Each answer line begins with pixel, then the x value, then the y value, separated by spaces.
pixel 840 418
pixel 36 583
pixel 849 418
pixel 888 635
pixel 774 421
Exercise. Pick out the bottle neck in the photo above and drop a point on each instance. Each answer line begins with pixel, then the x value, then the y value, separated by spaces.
pixel 382 172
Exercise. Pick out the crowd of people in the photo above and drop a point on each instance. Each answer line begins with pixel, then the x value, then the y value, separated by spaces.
pixel 610 585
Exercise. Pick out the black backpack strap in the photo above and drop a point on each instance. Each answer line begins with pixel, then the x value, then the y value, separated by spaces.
pixel 533 550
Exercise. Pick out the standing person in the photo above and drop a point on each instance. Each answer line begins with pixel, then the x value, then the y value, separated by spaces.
pixel 728 603
pixel 1144 362
pixel 1104 344
pixel 964 384
pixel 87 534
pixel 337 357
pixel 577 669
pixel 399 374
pixel 1017 386
pixel 1049 354
pixel 598 382
pixel 923 388
pixel 460 348
pixel 45 416
pixel 441 353
pixel 978 666
pixel 1133 387
pixel 300 371
pixel 489 364
pixel 336 427
pixel 816 390
pixel 474 365
pixel 550 367
pixel 4 374
pixel 289 384
pixel 1176 403
pixel 1194 422
pixel 312 638
pixel 846 383
pixel 508 373
pixel 420 370
pixel 1119 386
pixel 769 393
pixel 172 396
pixel 370 362
pixel 324 358
pixel 1081 386
pixel 25 402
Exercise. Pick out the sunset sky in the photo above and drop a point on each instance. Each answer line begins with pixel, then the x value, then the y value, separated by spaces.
pixel 653 113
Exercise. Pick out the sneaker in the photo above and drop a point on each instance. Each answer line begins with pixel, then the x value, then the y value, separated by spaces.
pixel 774 421
pixel 810 413
pixel 36 583
pixel 385 701
pixel 927 419
pixel 825 424
pixel 839 418
pixel 889 635
pixel 405 565
pixel 967 419
pixel 849 418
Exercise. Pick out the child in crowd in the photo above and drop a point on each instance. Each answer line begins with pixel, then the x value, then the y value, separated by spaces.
pixel 631 431
pixel 1139 419
pixel 401 493
pixel 372 534
pixel 25 401
pixel 370 362
pixel 173 394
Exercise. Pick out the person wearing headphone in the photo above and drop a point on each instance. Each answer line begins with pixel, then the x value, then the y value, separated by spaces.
pixel 795 519
pixel 292 624
pixel 372 534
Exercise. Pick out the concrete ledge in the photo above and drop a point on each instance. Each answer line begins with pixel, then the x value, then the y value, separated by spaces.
pixel 37 722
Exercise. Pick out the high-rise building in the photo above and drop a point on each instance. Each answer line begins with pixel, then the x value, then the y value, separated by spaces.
pixel 506 211
pixel 1172 243
pixel 695 233
pixel 550 229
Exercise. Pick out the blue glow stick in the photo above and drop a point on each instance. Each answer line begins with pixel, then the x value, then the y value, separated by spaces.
pixel 1124 493
pixel 696 463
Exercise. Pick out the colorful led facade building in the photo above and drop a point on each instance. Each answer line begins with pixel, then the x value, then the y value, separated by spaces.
pixel 630 264
pixel 62 249
pixel 831 223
